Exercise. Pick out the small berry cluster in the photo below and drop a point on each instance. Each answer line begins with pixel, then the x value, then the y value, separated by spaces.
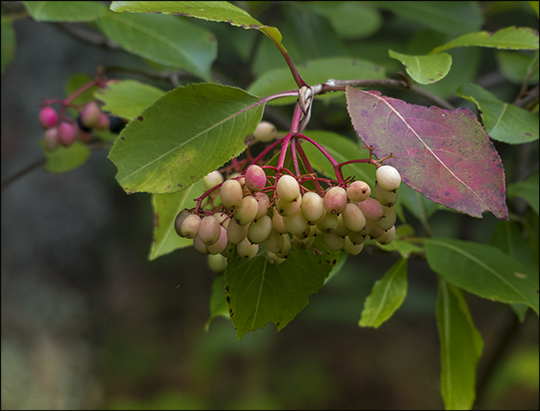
pixel 255 208
pixel 63 131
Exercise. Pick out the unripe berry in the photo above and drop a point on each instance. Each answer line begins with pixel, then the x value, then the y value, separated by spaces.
pixel 50 139
pixel 236 232
pixel 212 179
pixel 217 263
pixel 220 244
pixel 329 223
pixel 333 242
pixel 103 123
pixel 288 189
pixel 372 209
pixel 275 242
pixel 284 252
pixel 277 223
pixel 386 198
pixel 387 237
pixel 388 178
pixel 373 230
pixel 335 200
pixel 303 243
pixel 247 250
pixel 190 226
pixel 358 191
pixel 388 220
pixel 265 131
pixel 48 117
pixel 66 134
pixel 288 209
pixel 259 230
pixel 341 230
pixel 351 248
pixel 263 204
pixel 90 114
pixel 255 178
pixel 312 207
pixel 274 259
pixel 209 230
pixel 353 217
pixel 231 194
pixel 199 246
pixel 247 210
pixel 179 220
pixel 295 224
pixel 356 238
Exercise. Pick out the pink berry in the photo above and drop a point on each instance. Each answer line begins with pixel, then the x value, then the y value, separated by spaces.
pixel 255 178
pixel 90 114
pixel 66 134
pixel 50 139
pixel 103 122
pixel 48 117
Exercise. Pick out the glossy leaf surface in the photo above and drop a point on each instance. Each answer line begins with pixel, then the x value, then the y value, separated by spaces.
pixel 166 40
pixel 461 347
pixel 128 98
pixel 445 155
pixel 425 69
pixel 68 11
pixel 259 292
pixel 183 136
pixel 386 296
pixel 520 38
pixel 502 121
pixel 206 10
pixel 166 208
pixel 450 17
pixel 483 270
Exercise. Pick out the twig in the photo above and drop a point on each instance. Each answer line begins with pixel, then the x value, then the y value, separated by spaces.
pixel 35 165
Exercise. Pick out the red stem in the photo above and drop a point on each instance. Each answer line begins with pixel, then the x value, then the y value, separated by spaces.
pixel 307 164
pixel 295 159
pixel 334 163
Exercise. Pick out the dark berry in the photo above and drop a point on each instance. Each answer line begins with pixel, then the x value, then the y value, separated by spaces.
pixel 82 126
pixel 117 124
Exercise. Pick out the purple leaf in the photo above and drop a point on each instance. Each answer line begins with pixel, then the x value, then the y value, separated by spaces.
pixel 445 155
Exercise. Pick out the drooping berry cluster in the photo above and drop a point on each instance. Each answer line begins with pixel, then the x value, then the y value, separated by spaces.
pixel 257 207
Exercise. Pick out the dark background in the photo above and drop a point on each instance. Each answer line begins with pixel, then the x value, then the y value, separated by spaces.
pixel 88 322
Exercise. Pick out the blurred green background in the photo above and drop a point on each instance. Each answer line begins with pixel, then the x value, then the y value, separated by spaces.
pixel 88 322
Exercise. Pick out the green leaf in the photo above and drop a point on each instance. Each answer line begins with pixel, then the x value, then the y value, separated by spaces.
pixel 527 189
pixel 218 302
pixel 502 121
pixel 166 208
pixel 183 136
pixel 206 10
pixel 259 292
pixel 128 98
pixel 404 248
pixel 342 259
pixel 508 237
pixel 386 296
pixel 166 40
pixel 65 159
pixel 483 270
pixel 74 83
pixel 342 149
pixel 8 43
pixel 450 17
pixel 515 66
pixel 461 347
pixel 534 5
pixel 314 72
pixel 520 38
pixel 350 19
pixel 425 69
pixel 69 11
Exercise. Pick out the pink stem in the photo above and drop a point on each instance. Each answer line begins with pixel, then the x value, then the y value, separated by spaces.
pixel 295 159
pixel 334 163
pixel 307 164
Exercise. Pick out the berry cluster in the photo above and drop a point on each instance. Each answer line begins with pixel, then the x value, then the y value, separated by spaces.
pixel 64 131
pixel 257 207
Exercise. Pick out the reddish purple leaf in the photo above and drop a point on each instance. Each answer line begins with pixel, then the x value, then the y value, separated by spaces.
pixel 445 155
